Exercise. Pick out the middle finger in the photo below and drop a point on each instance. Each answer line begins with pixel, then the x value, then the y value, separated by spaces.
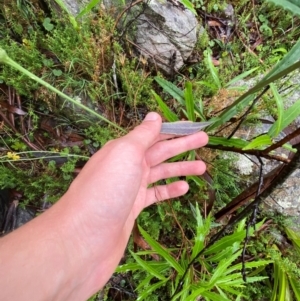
pixel 163 150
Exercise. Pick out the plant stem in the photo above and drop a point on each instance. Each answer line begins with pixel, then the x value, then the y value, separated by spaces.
pixel 4 58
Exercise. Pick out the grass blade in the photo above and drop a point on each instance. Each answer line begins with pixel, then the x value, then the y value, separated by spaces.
pixel 162 252
pixel 171 89
pixel 88 8
pixel 280 109
pixel 259 142
pixel 289 116
pixel 168 114
pixel 189 101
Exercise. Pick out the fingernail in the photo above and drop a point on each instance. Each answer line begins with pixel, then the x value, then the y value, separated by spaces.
pixel 151 116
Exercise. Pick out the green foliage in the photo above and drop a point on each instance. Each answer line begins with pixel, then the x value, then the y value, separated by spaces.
pixel 218 277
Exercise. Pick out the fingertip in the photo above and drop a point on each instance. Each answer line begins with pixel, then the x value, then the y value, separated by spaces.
pixel 152 116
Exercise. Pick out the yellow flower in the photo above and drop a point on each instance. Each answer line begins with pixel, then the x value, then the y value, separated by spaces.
pixel 13 156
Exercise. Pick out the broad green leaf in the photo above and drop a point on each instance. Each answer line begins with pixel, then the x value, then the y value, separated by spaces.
pixel 232 142
pixel 189 101
pixel 168 114
pixel 88 8
pixel 289 116
pixel 280 109
pixel 147 267
pixel 292 5
pixel 241 76
pixel 189 5
pixel 162 252
pixel 259 142
pixel 171 89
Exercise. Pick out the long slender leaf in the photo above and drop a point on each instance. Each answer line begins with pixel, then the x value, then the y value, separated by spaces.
pixel 289 116
pixel 292 5
pixel 259 142
pixel 189 101
pixel 147 267
pixel 241 76
pixel 88 8
pixel 232 142
pixel 168 114
pixel 171 89
pixel 151 289
pixel 189 5
pixel 212 69
pixel 288 64
pixel 162 252
pixel 280 109
pixel 296 287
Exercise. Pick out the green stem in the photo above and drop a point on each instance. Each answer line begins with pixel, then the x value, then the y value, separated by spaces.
pixel 4 58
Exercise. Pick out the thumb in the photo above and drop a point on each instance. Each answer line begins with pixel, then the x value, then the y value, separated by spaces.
pixel 148 131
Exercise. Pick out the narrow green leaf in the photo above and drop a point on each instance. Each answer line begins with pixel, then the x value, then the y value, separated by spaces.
pixel 280 109
pixel 249 265
pixel 147 267
pixel 289 116
pixel 296 287
pixel 162 252
pixel 88 8
pixel 292 5
pixel 171 89
pixel 241 76
pixel 168 114
pixel 214 297
pixel 259 142
pixel 288 64
pixel 212 69
pixel 294 237
pixel 189 101
pixel 232 142
pixel 189 5
pixel 151 289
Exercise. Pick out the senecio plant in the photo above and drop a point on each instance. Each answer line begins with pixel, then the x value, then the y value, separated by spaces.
pixel 5 59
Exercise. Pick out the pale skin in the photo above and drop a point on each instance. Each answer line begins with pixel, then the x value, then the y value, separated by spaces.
pixel 70 251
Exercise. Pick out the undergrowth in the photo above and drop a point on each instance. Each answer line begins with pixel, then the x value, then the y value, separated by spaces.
pixel 88 61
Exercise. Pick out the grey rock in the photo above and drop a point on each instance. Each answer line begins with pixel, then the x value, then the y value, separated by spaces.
pixel 166 34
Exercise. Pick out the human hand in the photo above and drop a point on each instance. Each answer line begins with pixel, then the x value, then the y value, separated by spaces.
pixel 112 189
pixel 70 251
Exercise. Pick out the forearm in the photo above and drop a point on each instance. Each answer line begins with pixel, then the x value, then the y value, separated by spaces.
pixel 49 259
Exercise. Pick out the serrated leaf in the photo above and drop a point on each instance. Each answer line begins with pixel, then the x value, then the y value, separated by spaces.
pixel 151 289
pixel 170 88
pixel 161 251
pixel 168 114
pixel 259 142
pixel 147 267
pixel 292 5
